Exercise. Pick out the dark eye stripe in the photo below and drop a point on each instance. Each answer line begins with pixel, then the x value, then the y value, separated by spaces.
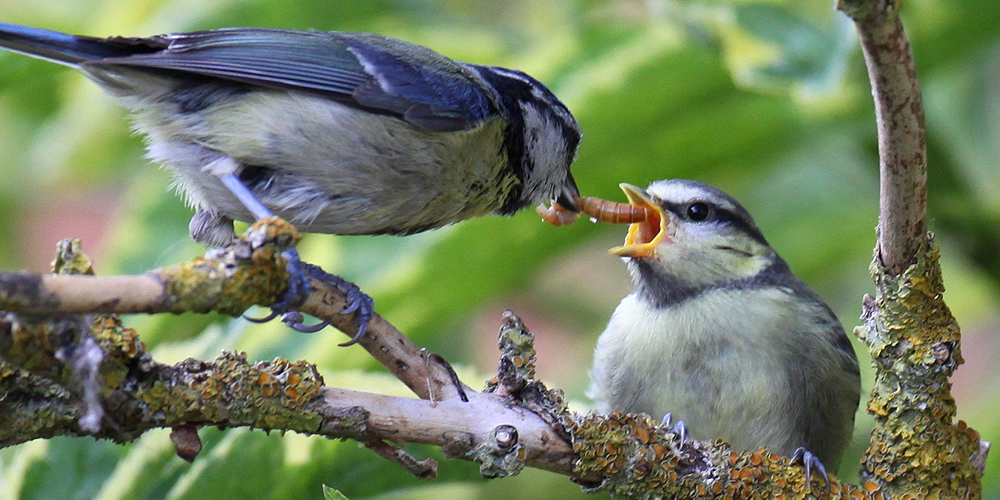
pixel 718 215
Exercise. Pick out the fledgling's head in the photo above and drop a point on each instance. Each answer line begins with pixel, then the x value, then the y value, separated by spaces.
pixel 698 237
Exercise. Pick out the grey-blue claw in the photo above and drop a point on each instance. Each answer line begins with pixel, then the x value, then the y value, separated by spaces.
pixel 295 321
pixel 357 301
pixel 265 319
pixel 680 428
pixel 298 289
pixel 810 461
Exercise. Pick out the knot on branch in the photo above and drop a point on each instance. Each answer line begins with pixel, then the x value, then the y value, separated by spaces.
pixel 515 378
pixel 517 358
pixel 500 456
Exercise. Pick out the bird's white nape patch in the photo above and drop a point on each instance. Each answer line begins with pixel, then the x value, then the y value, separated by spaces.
pixel 541 95
pixel 513 74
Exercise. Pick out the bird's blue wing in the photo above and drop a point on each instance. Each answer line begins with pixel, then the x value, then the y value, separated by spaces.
pixel 370 71
pixel 445 93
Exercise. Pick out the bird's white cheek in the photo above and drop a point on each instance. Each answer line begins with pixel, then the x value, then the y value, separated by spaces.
pixel 547 151
pixel 689 264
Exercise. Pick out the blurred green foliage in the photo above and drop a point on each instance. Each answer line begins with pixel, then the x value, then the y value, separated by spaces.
pixel 767 100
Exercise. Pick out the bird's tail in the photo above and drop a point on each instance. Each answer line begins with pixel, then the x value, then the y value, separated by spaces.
pixel 70 50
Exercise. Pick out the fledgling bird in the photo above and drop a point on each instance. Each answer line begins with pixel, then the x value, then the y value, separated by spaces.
pixel 720 333
pixel 337 132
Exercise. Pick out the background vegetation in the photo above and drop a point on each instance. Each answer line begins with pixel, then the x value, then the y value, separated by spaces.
pixel 768 100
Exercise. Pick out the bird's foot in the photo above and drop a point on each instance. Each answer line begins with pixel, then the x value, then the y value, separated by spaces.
pixel 810 462
pixel 679 428
pixel 357 302
pixel 296 291
pixel 298 283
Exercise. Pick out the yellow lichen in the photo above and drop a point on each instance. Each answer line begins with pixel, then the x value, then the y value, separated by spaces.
pixel 914 339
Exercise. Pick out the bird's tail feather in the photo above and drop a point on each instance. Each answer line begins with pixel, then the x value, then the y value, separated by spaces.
pixel 70 50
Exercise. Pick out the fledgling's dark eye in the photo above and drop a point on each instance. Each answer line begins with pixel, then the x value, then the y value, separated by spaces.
pixel 698 211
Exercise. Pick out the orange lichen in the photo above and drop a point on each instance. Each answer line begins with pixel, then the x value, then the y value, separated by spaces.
pixel 265 394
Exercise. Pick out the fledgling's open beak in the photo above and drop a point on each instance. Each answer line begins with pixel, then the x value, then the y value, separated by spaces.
pixel 643 237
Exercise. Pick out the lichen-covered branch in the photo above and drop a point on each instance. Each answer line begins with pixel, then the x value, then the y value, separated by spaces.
pixel 636 457
pixel 249 272
pixel 41 400
pixel 917 449
pixel 139 394
pixel 914 340
pixel 515 422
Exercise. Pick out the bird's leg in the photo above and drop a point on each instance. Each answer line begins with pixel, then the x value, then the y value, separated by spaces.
pixel 680 428
pixel 810 461
pixel 298 283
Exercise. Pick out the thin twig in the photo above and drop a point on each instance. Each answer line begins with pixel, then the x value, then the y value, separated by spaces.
pixel 412 365
pixel 902 140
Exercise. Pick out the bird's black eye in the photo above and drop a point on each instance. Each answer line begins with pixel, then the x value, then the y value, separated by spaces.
pixel 698 211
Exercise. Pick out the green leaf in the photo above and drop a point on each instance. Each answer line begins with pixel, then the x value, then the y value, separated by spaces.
pixel 332 494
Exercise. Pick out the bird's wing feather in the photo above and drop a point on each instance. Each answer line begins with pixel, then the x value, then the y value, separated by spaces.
pixel 357 69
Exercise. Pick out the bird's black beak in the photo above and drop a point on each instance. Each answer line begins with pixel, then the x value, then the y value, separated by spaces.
pixel 570 195
pixel 565 207
pixel 643 237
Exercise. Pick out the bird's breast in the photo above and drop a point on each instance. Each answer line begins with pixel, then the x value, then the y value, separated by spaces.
pixel 710 361
pixel 330 167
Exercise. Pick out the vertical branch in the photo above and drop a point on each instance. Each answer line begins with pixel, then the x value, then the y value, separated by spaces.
pixel 902 140
pixel 917 447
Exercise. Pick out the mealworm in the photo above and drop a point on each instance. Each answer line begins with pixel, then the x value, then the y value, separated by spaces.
pixel 612 211
pixel 557 215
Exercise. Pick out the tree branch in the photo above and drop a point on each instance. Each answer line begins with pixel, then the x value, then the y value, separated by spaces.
pixel 231 280
pixel 916 448
pixel 902 139
pixel 232 392
pixel 515 422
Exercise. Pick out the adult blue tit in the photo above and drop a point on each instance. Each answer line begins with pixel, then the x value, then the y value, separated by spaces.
pixel 720 333
pixel 342 133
